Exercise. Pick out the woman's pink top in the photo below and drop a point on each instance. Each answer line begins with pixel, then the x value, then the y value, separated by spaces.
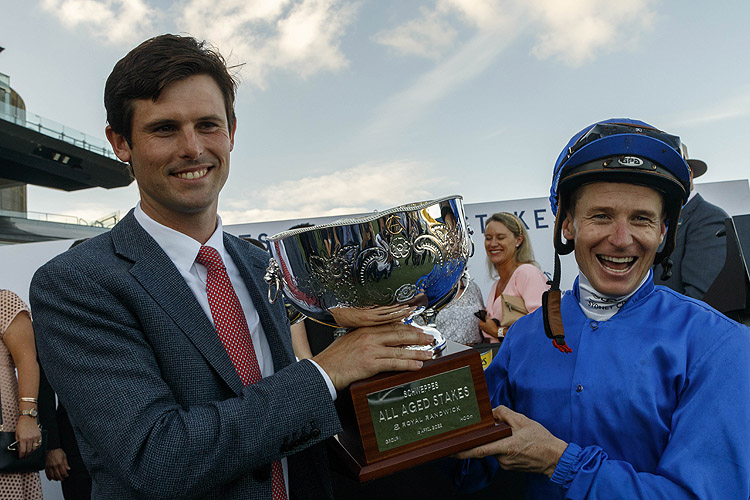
pixel 527 282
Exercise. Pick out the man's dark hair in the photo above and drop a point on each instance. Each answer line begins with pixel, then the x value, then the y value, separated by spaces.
pixel 147 69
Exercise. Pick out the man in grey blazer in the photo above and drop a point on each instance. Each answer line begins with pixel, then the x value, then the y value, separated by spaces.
pixel 124 325
pixel 699 254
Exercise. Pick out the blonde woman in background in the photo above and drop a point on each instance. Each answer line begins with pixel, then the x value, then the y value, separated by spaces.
pixel 510 258
pixel 19 395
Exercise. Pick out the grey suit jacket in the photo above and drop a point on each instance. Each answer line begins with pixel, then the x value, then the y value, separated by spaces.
pixel 699 254
pixel 157 406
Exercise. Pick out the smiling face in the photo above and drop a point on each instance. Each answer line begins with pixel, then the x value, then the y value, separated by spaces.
pixel 617 229
pixel 500 243
pixel 179 152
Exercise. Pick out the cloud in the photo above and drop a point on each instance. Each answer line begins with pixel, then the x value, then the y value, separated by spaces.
pixel 492 25
pixel 298 36
pixel 115 21
pixel 426 36
pixel 471 60
pixel 575 31
pixel 265 35
pixel 482 14
pixel 435 30
pixel 359 189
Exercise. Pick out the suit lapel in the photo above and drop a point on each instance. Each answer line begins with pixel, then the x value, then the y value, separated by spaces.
pixel 159 277
pixel 690 206
pixel 252 268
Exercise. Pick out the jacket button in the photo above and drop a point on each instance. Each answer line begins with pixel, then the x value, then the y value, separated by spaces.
pixel 579 388
pixel 315 432
pixel 262 473
pixel 305 437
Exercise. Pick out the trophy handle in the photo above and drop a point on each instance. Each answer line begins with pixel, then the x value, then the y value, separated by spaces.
pixel 470 230
pixel 273 279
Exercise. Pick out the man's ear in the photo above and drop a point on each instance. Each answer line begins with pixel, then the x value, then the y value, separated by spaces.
pixel 119 144
pixel 663 229
pixel 568 229
pixel 231 135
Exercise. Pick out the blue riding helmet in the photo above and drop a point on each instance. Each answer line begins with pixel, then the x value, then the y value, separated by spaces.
pixel 627 151
pixel 622 137
pixel 615 150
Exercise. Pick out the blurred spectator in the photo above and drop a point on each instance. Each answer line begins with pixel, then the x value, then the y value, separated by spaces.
pixel 19 395
pixel 457 321
pixel 699 254
pixel 64 462
pixel 510 258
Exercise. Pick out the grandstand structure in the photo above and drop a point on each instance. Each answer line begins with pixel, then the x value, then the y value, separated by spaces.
pixel 40 152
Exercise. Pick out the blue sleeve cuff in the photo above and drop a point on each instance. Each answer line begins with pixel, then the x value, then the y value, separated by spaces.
pixel 566 467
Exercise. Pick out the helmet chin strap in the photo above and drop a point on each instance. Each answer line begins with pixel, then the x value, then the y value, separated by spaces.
pixel 670 240
pixel 666 268
pixel 553 325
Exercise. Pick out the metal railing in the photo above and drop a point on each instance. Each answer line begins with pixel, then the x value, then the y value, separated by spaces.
pixel 32 121
pixel 106 222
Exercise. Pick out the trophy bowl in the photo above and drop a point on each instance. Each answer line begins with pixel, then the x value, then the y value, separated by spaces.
pixel 413 254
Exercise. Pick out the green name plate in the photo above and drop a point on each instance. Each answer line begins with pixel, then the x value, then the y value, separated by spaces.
pixel 406 413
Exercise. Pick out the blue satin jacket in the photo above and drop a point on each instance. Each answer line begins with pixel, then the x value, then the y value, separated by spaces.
pixel 654 402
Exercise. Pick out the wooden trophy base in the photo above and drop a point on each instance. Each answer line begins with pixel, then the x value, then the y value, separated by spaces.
pixel 398 420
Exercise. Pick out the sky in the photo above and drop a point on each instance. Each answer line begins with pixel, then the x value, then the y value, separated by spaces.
pixel 352 106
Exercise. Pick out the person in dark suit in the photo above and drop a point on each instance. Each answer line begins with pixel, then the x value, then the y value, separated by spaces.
pixel 64 462
pixel 157 336
pixel 699 254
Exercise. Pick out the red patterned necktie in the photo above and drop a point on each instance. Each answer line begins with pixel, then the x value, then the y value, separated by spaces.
pixel 231 325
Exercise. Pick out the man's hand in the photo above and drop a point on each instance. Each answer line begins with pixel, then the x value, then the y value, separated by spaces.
pixel 355 317
pixel 531 448
pixel 28 435
pixel 57 466
pixel 367 351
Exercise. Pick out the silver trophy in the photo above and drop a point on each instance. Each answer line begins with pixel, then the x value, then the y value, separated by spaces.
pixel 412 254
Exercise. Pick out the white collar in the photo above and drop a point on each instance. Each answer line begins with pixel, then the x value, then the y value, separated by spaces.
pixel 179 247
pixel 598 306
